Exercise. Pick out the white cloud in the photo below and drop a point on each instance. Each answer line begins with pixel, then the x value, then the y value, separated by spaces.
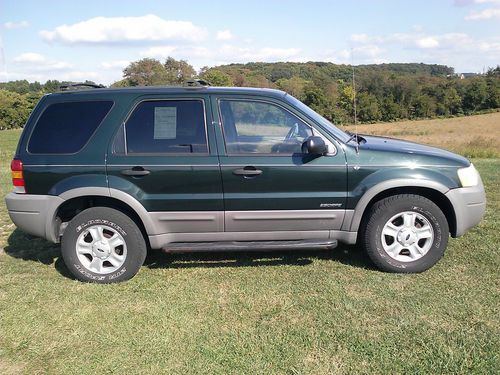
pixel 361 38
pixel 485 14
pixel 103 76
pixel 227 53
pixel 119 30
pixel 16 25
pixel 473 2
pixel 37 62
pixel 36 67
pixel 415 40
pixel 118 64
pixel 487 1
pixel 427 42
pixel 2 54
pixel 186 53
pixel 453 49
pixel 30 57
pixel 238 54
pixel 224 35
pixel 364 54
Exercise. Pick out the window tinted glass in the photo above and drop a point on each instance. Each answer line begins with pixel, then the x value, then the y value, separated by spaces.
pixel 176 126
pixel 64 128
pixel 261 128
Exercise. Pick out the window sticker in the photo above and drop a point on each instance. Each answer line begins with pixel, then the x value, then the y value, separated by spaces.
pixel 165 123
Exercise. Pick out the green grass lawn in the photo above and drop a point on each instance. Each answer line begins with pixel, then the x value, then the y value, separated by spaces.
pixel 290 312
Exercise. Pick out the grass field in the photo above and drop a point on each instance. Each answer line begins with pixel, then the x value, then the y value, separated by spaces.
pixel 290 312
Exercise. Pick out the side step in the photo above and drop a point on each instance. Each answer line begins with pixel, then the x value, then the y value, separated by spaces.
pixel 191 247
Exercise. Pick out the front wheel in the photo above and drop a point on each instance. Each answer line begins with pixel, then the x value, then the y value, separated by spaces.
pixel 405 233
pixel 103 245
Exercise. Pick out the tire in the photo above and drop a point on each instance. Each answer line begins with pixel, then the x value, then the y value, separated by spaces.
pixel 103 245
pixel 405 233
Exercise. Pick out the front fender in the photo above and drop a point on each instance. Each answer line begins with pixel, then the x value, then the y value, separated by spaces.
pixel 379 181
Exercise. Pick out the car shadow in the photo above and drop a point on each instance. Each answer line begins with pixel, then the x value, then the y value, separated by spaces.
pixel 23 246
pixel 347 255
pixel 26 247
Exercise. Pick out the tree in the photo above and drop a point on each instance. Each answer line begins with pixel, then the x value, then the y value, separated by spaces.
pixel 346 100
pixel 424 106
pixel 121 83
pixel 14 110
pixel 52 86
pixel 178 71
pixel 294 86
pixel 390 110
pixel 216 78
pixel 475 95
pixel 146 72
pixel 368 107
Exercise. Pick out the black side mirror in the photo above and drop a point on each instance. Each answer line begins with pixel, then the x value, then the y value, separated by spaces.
pixel 314 145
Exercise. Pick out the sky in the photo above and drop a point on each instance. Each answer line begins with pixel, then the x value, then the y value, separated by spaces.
pixel 95 40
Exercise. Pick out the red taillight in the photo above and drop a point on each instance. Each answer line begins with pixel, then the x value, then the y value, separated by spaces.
pixel 16 168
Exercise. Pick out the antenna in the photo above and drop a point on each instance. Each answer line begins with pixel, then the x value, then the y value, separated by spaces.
pixel 354 102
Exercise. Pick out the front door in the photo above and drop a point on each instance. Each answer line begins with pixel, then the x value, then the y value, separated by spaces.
pixel 269 184
pixel 162 157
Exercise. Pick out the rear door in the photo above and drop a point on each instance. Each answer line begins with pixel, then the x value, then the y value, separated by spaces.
pixel 164 155
pixel 269 185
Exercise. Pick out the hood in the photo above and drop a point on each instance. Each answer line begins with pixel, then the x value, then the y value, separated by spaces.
pixel 412 150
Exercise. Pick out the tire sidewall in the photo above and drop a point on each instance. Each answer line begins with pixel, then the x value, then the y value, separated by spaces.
pixel 436 251
pixel 136 249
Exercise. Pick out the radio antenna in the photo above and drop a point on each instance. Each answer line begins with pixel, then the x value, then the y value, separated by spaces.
pixel 354 102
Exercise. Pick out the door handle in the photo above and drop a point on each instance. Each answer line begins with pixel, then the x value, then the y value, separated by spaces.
pixel 247 172
pixel 135 172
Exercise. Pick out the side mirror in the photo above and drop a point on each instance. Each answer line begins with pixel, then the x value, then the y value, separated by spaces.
pixel 314 145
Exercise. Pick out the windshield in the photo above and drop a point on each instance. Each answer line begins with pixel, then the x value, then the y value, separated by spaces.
pixel 344 137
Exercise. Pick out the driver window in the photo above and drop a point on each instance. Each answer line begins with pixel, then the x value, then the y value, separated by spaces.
pixel 252 127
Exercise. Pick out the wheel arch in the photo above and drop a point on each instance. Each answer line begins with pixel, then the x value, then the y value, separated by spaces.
pixel 76 200
pixel 433 191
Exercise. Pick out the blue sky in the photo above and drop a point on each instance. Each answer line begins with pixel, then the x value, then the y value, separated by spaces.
pixel 78 40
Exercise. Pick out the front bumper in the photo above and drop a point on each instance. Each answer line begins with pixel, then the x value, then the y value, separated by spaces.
pixel 34 214
pixel 469 204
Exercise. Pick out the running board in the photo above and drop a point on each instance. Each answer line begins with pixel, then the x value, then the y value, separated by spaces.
pixel 192 247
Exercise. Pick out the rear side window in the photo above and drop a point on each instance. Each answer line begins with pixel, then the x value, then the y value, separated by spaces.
pixel 167 126
pixel 64 128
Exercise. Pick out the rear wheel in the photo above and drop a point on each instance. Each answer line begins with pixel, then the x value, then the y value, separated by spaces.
pixel 405 233
pixel 103 245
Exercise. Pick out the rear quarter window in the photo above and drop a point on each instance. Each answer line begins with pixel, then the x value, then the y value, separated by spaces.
pixel 64 128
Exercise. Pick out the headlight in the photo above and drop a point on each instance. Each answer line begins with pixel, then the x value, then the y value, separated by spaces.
pixel 468 176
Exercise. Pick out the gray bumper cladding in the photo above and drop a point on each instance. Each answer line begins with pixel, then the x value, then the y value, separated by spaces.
pixel 34 214
pixel 469 204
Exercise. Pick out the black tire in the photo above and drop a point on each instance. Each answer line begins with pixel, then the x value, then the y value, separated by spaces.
pixel 114 224
pixel 387 208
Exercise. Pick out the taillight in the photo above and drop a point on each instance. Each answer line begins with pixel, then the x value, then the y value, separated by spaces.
pixel 16 168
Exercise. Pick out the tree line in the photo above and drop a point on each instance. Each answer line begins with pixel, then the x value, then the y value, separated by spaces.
pixel 384 92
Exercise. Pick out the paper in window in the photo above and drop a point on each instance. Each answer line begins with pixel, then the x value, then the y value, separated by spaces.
pixel 165 123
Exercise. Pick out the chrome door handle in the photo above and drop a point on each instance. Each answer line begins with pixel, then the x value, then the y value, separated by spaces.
pixel 247 172
pixel 135 172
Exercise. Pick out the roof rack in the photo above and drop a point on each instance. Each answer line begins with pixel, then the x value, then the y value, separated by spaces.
pixel 196 83
pixel 75 85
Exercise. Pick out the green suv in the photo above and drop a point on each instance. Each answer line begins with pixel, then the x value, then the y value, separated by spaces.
pixel 110 173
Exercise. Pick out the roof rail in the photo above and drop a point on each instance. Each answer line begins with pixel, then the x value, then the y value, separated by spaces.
pixel 196 83
pixel 74 85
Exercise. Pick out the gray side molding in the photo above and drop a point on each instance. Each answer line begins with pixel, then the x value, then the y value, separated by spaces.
pixel 385 185
pixel 283 220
